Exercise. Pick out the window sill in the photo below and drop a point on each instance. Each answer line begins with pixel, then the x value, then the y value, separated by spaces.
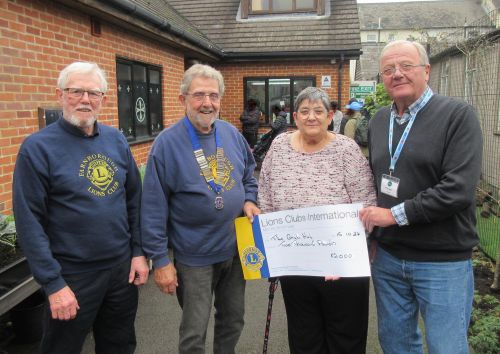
pixel 142 140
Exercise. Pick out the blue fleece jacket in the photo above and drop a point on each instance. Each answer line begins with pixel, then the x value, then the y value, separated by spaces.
pixel 178 205
pixel 76 202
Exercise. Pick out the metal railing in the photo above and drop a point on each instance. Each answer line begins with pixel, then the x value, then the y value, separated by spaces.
pixel 470 32
pixel 466 65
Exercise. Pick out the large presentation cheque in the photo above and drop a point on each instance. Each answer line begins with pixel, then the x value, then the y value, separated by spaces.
pixel 317 241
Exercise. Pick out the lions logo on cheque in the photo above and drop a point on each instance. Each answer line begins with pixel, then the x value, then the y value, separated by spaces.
pixel 252 258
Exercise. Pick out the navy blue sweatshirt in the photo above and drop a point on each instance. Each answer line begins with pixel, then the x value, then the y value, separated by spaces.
pixel 76 202
pixel 178 205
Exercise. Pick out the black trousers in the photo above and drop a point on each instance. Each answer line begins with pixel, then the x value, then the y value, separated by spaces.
pixel 251 138
pixel 108 305
pixel 326 317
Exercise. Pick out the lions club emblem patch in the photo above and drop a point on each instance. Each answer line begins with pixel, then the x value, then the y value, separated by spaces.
pixel 100 171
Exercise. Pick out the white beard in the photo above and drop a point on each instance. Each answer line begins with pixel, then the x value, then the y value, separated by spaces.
pixel 81 124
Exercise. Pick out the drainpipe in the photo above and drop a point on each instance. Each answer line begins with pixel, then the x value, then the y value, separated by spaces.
pixel 339 83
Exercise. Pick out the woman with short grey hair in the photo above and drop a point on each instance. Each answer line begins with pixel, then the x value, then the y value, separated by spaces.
pixel 309 167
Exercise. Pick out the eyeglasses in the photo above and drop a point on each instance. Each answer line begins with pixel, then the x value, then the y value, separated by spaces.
pixel 94 95
pixel 304 114
pixel 404 68
pixel 200 96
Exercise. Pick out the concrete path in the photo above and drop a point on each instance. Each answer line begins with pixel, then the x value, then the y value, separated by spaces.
pixel 159 315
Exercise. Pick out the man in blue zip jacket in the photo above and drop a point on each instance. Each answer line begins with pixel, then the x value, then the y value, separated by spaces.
pixel 77 195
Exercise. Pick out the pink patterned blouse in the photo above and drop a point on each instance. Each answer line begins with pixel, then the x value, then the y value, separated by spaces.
pixel 339 173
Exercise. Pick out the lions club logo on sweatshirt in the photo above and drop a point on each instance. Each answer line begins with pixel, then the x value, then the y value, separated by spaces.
pixel 99 170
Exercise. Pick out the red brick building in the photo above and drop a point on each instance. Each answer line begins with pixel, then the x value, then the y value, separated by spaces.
pixel 145 46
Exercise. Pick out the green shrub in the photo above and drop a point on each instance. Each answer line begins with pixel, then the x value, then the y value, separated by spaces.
pixel 484 331
pixel 8 233
pixel 377 100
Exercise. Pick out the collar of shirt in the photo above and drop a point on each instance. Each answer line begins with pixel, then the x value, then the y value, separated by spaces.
pixel 414 108
pixel 70 128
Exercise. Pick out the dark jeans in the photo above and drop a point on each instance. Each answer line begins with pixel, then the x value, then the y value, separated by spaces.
pixel 251 138
pixel 108 304
pixel 326 317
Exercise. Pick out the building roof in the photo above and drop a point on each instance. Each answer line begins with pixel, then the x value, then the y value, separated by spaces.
pixel 165 12
pixel 338 30
pixel 214 29
pixel 419 15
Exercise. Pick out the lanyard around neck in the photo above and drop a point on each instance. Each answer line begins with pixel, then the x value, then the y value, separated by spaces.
pixel 202 161
pixel 401 143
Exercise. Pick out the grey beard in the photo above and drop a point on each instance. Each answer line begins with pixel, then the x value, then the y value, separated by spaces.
pixel 81 124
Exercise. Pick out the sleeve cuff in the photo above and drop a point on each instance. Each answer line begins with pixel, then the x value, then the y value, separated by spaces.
pixel 137 251
pixel 161 262
pixel 251 197
pixel 399 214
pixel 54 285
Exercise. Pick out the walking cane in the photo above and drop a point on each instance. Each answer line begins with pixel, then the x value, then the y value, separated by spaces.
pixel 272 288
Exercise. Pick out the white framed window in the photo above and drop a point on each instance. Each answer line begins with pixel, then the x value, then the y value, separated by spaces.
pixel 270 7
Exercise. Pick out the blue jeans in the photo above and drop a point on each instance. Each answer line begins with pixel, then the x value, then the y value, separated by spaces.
pixel 441 291
pixel 197 287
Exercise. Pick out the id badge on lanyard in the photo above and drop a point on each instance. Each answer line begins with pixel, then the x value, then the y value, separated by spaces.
pixel 390 184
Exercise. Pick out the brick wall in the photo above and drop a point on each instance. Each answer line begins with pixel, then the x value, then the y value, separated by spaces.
pixel 39 38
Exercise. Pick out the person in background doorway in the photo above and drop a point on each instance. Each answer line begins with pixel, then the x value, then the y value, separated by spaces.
pixel 337 117
pixel 350 123
pixel 425 153
pixel 279 125
pixel 250 122
pixel 77 193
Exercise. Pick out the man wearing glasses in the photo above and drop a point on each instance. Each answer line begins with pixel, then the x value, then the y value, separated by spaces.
pixel 425 153
pixel 77 195
pixel 199 178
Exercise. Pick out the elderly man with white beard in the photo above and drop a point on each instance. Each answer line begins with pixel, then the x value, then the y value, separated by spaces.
pixel 77 194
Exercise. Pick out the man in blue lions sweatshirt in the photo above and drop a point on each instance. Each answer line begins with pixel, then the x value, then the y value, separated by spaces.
pixel 199 178
pixel 77 195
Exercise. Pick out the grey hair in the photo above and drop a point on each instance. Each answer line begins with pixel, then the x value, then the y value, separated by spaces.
pixel 82 67
pixel 422 53
pixel 312 94
pixel 201 70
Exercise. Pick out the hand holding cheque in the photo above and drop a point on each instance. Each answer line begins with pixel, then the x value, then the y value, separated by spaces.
pixel 317 241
